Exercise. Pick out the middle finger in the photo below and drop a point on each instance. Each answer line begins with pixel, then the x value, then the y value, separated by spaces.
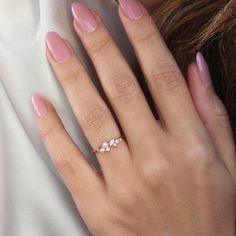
pixel 117 79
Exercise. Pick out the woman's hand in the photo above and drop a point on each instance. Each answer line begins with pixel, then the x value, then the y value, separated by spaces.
pixel 174 176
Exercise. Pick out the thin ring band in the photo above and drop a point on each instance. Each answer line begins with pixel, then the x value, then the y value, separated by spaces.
pixel 107 146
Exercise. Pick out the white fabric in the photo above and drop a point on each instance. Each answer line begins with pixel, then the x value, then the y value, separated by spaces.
pixel 34 201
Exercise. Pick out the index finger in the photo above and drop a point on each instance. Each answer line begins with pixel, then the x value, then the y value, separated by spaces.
pixel 166 82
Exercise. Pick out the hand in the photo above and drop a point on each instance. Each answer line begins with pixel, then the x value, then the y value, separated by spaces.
pixel 174 176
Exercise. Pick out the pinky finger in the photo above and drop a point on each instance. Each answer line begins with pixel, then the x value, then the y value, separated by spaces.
pixel 75 170
pixel 212 111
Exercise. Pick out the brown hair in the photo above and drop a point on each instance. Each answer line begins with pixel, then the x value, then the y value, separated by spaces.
pixel 208 26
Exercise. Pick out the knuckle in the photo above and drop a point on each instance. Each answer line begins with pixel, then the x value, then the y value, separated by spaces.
pixel 72 75
pixel 148 34
pixel 62 163
pixel 167 77
pixel 100 44
pixel 123 88
pixel 49 132
pixel 146 38
pixel 125 198
pixel 156 175
pixel 65 164
pixel 94 118
pixel 199 158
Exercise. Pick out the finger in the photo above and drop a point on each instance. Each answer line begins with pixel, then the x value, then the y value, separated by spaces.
pixel 117 79
pixel 166 83
pixel 75 170
pixel 212 111
pixel 90 109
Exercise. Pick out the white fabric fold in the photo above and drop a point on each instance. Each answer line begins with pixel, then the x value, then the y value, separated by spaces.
pixel 33 199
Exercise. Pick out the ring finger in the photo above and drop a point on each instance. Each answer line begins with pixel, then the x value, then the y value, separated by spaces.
pixel 91 111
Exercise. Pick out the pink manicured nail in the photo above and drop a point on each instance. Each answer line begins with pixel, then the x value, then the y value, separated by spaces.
pixel 203 69
pixel 84 17
pixel 58 47
pixel 40 106
pixel 131 8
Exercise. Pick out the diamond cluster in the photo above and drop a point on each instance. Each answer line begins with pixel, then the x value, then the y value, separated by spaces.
pixel 107 145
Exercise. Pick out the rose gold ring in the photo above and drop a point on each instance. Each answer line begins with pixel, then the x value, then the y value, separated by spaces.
pixel 107 146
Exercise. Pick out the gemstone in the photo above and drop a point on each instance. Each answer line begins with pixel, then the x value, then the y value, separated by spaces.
pixel 105 145
pixel 113 142
pixel 102 150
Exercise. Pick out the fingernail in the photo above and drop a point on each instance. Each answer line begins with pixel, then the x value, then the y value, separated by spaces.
pixel 39 104
pixel 84 17
pixel 203 69
pixel 58 47
pixel 131 8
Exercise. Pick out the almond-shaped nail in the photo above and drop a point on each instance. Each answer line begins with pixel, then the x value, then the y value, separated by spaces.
pixel 58 47
pixel 203 69
pixel 84 17
pixel 40 105
pixel 131 8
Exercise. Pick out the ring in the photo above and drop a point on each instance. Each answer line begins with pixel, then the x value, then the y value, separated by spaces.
pixel 107 145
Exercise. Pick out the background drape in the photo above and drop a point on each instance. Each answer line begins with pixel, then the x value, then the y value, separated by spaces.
pixel 33 199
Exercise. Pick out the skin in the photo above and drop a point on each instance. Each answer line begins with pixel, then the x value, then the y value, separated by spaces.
pixel 174 176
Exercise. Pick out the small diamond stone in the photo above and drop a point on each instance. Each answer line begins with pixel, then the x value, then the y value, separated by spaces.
pixel 102 150
pixel 113 142
pixel 105 145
